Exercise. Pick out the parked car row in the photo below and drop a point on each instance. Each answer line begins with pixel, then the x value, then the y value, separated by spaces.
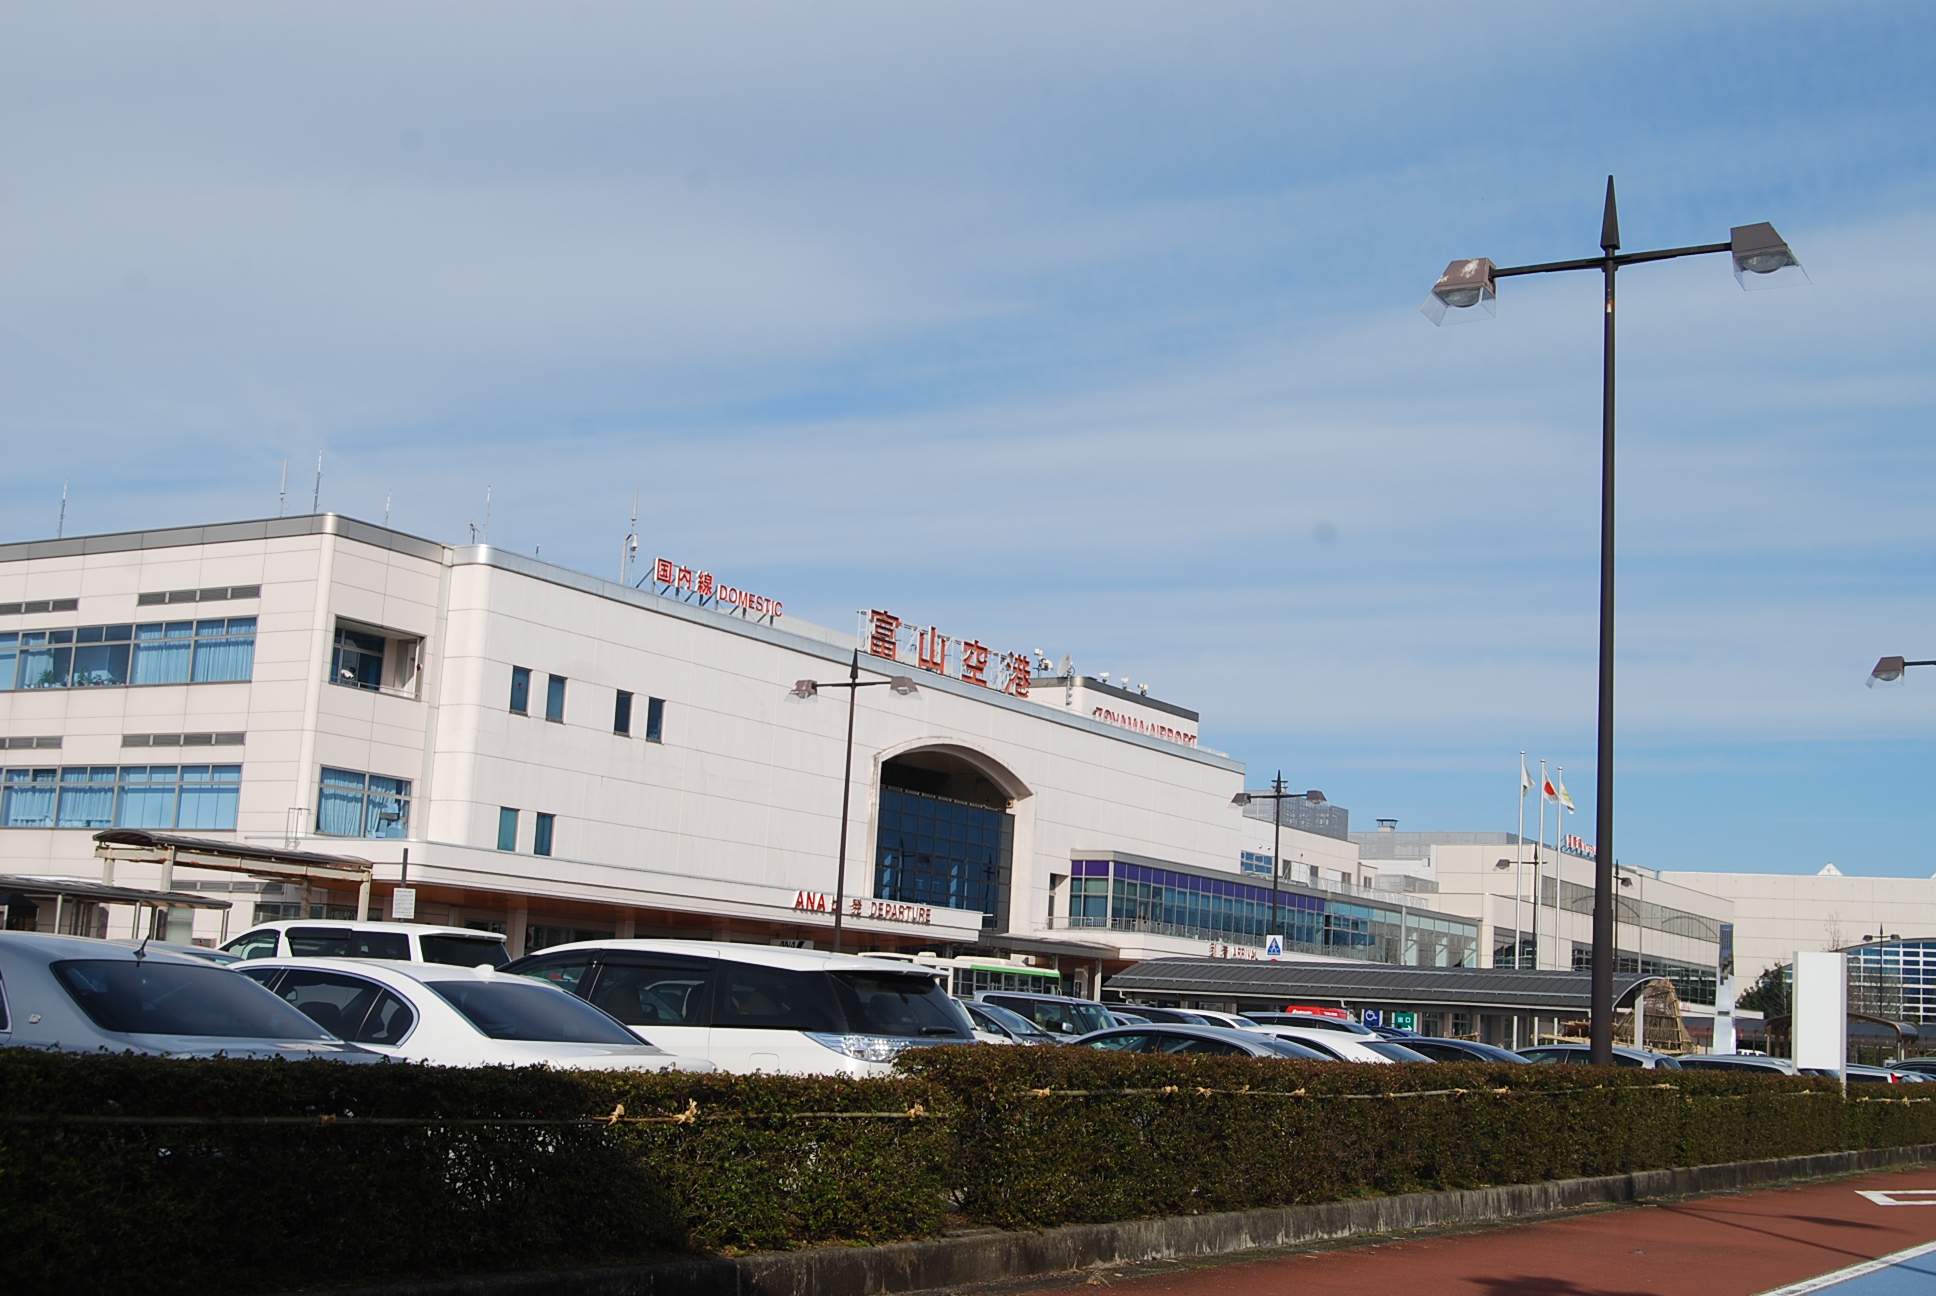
pixel 363 992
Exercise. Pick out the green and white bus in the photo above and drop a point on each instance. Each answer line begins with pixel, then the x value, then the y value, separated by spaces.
pixel 971 974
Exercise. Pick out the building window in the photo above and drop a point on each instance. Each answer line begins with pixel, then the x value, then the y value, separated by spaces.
pixel 197 797
pixel 350 804
pixel 655 719
pixel 942 852
pixel 357 660
pixel 622 714
pixel 541 835
pixel 521 690
pixel 555 698
pixel 507 828
pixel 217 651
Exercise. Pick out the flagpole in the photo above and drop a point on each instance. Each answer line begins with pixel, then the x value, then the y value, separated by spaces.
pixel 1539 853
pixel 1519 867
pixel 1559 865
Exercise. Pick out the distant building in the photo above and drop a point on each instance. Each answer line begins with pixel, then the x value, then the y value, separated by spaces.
pixel 1535 908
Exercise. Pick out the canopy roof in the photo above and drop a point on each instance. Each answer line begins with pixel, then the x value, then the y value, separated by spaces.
pixel 101 893
pixel 1504 989
pixel 139 846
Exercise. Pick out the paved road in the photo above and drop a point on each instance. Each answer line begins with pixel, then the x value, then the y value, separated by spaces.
pixel 1741 1245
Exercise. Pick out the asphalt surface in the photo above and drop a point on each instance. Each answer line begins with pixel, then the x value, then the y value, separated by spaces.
pixel 1743 1244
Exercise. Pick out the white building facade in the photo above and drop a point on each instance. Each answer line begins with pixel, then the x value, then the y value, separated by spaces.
pixel 562 756
pixel 1535 907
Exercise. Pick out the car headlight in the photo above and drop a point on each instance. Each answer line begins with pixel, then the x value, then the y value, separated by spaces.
pixel 865 1048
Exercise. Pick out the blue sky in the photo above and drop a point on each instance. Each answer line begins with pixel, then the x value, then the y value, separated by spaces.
pixel 1088 328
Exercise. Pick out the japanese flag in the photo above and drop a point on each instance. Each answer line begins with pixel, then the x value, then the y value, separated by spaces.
pixel 1548 791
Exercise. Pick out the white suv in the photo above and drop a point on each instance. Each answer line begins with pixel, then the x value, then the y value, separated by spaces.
pixel 402 942
pixel 759 1008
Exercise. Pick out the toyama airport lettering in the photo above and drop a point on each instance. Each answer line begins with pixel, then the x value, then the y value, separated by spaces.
pixel 1142 726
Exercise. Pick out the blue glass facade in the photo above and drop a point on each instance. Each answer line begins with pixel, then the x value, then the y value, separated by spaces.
pixel 934 850
pixel 1894 979
pixel 1121 896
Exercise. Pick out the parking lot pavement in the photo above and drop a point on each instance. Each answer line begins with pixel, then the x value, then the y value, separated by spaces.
pixel 1744 1244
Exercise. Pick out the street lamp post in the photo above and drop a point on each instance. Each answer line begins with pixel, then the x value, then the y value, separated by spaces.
pixel 1467 290
pixel 1277 796
pixel 903 686
pixel 1889 670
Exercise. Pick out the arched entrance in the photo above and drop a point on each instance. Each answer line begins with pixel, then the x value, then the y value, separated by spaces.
pixel 946 836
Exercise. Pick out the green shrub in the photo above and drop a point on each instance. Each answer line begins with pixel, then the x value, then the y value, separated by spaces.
pixel 491 1168
pixel 1049 1136
pixel 320 1173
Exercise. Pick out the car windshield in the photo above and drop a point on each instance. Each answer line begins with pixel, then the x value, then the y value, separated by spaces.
pixel 1396 1052
pixel 463 951
pixel 149 997
pixel 1058 1016
pixel 1013 1022
pixel 516 1009
pixel 889 1003
pixel 345 942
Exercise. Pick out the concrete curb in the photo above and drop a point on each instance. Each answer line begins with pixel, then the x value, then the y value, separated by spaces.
pixel 996 1255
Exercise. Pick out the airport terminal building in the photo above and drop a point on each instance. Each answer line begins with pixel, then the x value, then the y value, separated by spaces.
pixel 561 756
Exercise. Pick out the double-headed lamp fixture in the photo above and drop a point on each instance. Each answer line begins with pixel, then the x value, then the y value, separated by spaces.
pixel 1469 290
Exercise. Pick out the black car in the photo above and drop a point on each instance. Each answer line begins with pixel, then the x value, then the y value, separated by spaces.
pixel 1581 1054
pixel 1222 1040
pixel 1056 1014
pixel 1175 1016
pixel 1451 1050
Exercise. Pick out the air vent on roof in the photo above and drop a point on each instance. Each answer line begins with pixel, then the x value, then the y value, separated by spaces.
pixel 214 594
pixel 43 605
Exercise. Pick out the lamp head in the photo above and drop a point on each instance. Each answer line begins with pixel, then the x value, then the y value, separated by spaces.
pixel 1241 799
pixel 903 686
pixel 1763 259
pixel 1887 671
pixel 804 689
pixel 1464 292
pixel 1314 796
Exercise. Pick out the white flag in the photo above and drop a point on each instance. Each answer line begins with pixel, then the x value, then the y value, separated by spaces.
pixel 1525 779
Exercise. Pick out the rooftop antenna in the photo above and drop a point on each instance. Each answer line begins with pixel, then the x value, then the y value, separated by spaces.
pixel 487 514
pixel 316 500
pixel 386 506
pixel 630 548
pixel 60 528
pixel 282 491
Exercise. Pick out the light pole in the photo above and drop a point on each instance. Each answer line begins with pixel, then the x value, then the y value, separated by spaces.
pixel 1889 670
pixel 1277 796
pixel 1467 290
pixel 806 689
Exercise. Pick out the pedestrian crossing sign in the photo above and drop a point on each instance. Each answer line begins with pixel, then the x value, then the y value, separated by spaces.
pixel 1273 947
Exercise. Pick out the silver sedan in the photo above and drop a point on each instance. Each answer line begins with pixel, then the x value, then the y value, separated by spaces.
pixel 71 994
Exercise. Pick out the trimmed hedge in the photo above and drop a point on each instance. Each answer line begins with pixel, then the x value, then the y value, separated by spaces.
pixel 1047 1136
pixel 499 1169
pixel 236 1206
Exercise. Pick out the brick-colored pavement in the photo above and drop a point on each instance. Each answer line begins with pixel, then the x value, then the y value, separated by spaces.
pixel 1736 1245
